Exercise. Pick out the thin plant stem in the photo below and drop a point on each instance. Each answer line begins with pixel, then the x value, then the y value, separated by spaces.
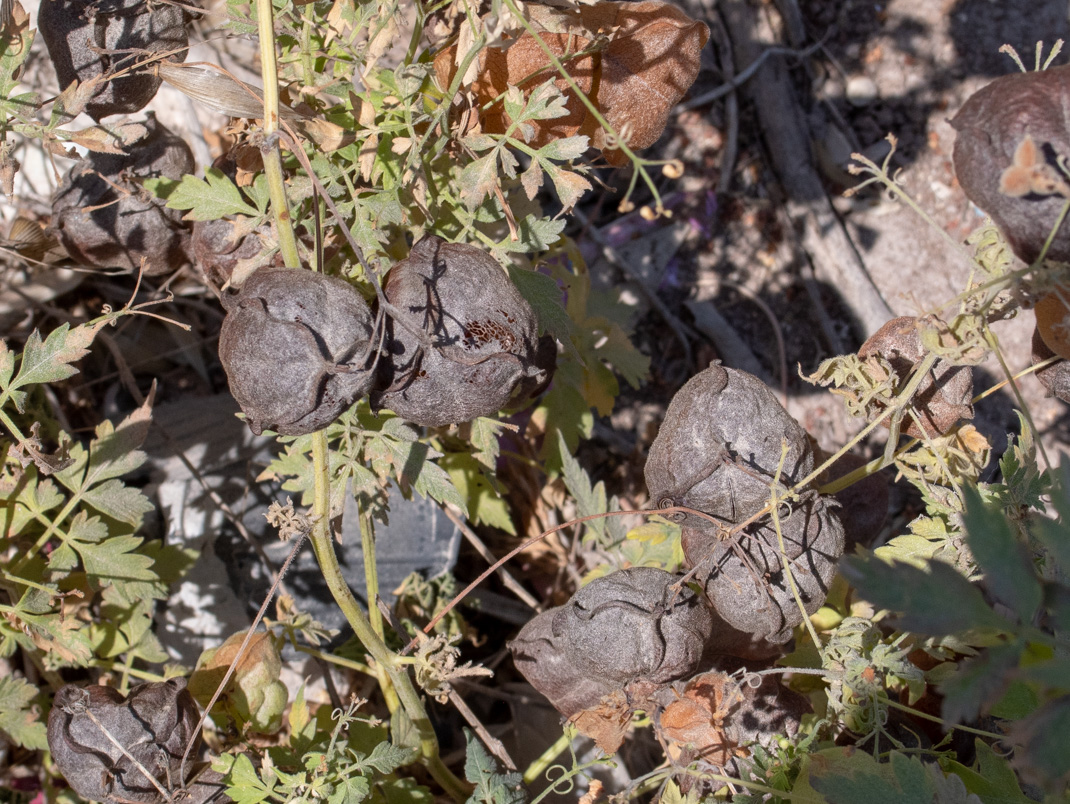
pixel 270 150
pixel 371 574
pixel 619 143
pixel 926 716
pixel 784 561
pixel 539 765
pixel 323 546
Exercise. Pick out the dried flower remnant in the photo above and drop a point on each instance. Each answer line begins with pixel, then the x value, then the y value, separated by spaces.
pixel 943 398
pixel 715 719
pixel 1010 150
pixel 89 40
pixel 103 217
pixel 87 726
pixel 724 439
pixel 484 345
pixel 294 346
pixel 638 60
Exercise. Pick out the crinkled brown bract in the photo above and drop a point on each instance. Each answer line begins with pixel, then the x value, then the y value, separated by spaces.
pixel 1014 180
pixel 484 345
pixel 294 345
pixel 79 33
pixel 723 440
pixel 633 626
pixel 153 724
pixel 104 218
pixel 944 396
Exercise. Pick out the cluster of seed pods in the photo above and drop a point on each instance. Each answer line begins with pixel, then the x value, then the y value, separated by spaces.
pixel 642 638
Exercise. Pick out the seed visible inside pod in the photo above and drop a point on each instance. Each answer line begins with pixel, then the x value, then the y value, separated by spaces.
pixel 91 38
pixel 104 218
pixel 294 345
pixel 484 348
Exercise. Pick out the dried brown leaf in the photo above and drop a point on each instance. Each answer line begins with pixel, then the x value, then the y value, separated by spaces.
pixel 645 56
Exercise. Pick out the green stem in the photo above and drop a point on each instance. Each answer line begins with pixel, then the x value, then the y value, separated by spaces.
pixel 544 760
pixel 341 661
pixel 323 546
pixel 926 716
pixel 270 151
pixel 901 401
pixel 371 574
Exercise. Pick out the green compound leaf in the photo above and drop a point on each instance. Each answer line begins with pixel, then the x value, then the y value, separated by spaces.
pixel 17 720
pixel 492 787
pixel 590 499
pixel 978 681
pixel 206 200
pixel 848 777
pixel 243 784
pixel 936 600
pixel 1009 573
pixel 49 360
pixel 991 779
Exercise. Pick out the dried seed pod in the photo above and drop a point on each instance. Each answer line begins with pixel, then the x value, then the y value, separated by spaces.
pixel 634 624
pixel 222 248
pixel 624 631
pixel 723 439
pixel 294 346
pixel 88 39
pixel 944 396
pixel 1056 377
pixel 541 655
pixel 719 447
pixel 152 724
pixel 104 218
pixel 484 343
pixel 744 577
pixel 1053 320
pixel 1011 135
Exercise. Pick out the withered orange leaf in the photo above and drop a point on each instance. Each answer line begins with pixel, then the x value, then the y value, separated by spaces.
pixel 607 722
pixel 634 60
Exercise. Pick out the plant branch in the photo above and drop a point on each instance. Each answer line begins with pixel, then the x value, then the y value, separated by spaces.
pixel 323 546
pixel 270 149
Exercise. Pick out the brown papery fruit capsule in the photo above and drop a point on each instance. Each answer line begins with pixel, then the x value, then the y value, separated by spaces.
pixel 943 398
pixel 294 345
pixel 91 38
pixel 152 724
pixel 1010 137
pixel 102 215
pixel 480 348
